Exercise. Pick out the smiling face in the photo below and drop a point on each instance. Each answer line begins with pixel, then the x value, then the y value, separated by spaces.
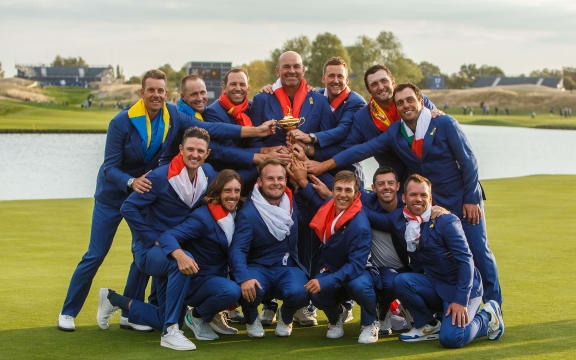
pixel 380 86
pixel 230 195
pixel 417 197
pixel 344 195
pixel 408 105
pixel 335 78
pixel 272 183
pixel 386 188
pixel 195 94
pixel 237 87
pixel 194 152
pixel 154 95
pixel 290 69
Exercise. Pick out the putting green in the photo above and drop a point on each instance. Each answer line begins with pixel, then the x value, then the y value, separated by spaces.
pixel 531 229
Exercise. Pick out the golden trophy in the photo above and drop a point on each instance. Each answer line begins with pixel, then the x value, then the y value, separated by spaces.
pixel 289 122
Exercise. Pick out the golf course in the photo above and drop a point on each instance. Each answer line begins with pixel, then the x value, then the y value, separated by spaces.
pixel 531 231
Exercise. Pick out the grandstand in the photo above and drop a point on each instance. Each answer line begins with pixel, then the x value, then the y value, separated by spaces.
pixel 488 81
pixel 66 75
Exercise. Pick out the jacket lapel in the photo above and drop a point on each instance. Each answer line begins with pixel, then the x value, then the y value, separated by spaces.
pixel 429 138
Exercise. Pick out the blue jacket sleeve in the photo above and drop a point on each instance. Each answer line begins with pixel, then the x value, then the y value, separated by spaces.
pixel 468 165
pixel 379 220
pixel 455 241
pixel 339 133
pixel 240 247
pixel 314 200
pixel 216 130
pixel 357 260
pixel 238 157
pixel 363 151
pixel 132 209
pixel 188 230
pixel 114 154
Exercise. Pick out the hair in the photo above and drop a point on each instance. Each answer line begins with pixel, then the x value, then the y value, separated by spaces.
pixel 153 74
pixel 185 79
pixel 347 176
pixel 335 60
pixel 373 70
pixel 384 170
pixel 269 161
pixel 408 86
pixel 234 71
pixel 417 179
pixel 215 189
pixel 196 132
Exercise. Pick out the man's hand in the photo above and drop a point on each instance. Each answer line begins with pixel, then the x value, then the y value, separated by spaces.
pixel 438 211
pixel 319 168
pixel 321 189
pixel 269 149
pixel 312 286
pixel 283 155
pixel 248 288
pixel 186 264
pixel 298 172
pixel 472 213
pixel 298 135
pixel 459 314
pixel 436 113
pixel 298 151
pixel 267 89
pixel 141 184
pixel 267 128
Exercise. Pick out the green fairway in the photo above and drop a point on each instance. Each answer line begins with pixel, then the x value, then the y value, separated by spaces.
pixel 520 120
pixel 532 233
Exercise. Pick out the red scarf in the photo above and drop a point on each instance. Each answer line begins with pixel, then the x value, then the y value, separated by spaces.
pixel 237 111
pixel 299 98
pixel 322 221
pixel 383 118
pixel 338 100
pixel 217 211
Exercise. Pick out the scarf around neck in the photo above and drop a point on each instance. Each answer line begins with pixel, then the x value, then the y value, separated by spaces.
pixel 188 190
pixel 284 100
pixel 383 118
pixel 416 140
pixel 412 232
pixel 187 109
pixel 278 219
pixel 152 132
pixel 338 100
pixel 237 111
pixel 325 223
pixel 224 219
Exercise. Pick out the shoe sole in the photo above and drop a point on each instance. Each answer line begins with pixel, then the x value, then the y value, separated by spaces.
pixel 219 330
pixel 368 342
pixel 66 329
pixel 129 327
pixel 421 338
pixel 101 297
pixel 498 311
pixel 306 323
pixel 170 346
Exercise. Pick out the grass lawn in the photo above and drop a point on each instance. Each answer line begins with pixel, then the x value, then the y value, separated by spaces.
pixel 532 233
pixel 519 120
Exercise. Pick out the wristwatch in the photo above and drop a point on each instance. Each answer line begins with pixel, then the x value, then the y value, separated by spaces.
pixel 130 182
pixel 313 137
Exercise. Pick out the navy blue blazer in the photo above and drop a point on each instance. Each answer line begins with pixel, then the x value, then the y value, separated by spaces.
pixel 447 161
pixel 230 152
pixel 315 109
pixel 254 244
pixel 201 235
pixel 150 214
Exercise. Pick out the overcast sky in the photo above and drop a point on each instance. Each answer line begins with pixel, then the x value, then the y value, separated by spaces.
pixel 516 35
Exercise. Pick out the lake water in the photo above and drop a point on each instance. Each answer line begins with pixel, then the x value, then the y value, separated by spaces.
pixel 52 166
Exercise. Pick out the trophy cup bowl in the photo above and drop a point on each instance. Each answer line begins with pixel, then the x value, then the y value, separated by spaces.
pixel 290 123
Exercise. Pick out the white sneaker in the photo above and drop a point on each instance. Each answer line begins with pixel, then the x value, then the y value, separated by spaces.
pixel 255 329
pixel 369 333
pixel 426 332
pixel 348 315
pixel 200 328
pixel 281 328
pixel 127 325
pixel 220 325
pixel 175 339
pixel 268 317
pixel 496 324
pixel 66 322
pixel 305 317
pixel 336 331
pixel 105 309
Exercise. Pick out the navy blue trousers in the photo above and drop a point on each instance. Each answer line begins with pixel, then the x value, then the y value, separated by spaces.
pixel 212 294
pixel 105 221
pixel 417 294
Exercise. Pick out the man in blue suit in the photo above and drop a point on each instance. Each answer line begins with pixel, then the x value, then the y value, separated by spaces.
pixel 448 283
pixel 264 251
pixel 177 189
pixel 438 149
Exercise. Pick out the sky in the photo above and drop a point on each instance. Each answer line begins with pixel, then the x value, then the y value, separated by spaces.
pixel 516 35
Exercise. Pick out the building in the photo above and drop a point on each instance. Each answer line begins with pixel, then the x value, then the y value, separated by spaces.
pixel 213 75
pixel 66 75
pixel 488 81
